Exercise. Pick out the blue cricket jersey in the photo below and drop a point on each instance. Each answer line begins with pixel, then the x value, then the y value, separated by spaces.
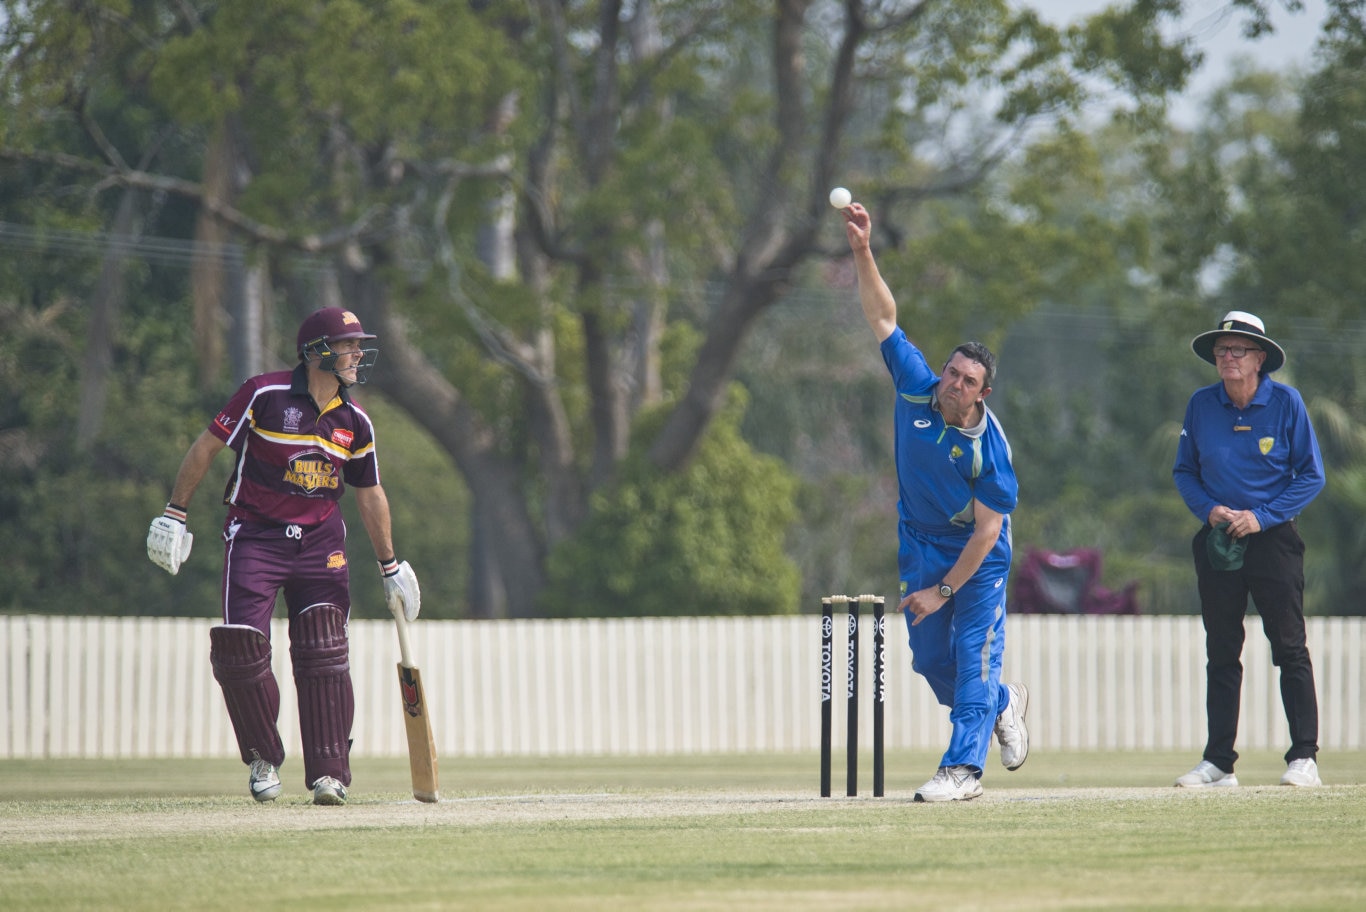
pixel 941 469
pixel 1264 458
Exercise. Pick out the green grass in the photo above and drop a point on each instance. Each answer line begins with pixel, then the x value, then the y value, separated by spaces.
pixel 1068 831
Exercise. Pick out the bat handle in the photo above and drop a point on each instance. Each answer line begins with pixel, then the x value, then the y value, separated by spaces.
pixel 404 650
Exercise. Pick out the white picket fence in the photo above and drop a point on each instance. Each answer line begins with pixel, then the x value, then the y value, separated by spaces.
pixel 142 687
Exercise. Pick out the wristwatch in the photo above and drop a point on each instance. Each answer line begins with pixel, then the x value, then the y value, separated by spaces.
pixel 945 591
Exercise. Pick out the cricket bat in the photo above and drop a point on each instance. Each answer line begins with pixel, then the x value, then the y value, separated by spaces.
pixel 421 746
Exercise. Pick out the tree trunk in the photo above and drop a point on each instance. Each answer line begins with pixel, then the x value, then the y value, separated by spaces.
pixel 485 592
pixel 508 569
pixel 742 301
pixel 208 271
pixel 105 305
pixel 780 235
pixel 647 324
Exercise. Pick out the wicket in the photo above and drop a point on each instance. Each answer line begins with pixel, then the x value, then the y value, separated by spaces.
pixel 827 689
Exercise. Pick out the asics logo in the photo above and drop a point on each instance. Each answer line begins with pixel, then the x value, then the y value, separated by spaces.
pixel 921 423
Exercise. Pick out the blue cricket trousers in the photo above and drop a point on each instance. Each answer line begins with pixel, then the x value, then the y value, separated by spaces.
pixel 959 648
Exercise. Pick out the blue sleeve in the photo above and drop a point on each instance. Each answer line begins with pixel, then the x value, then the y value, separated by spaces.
pixel 1186 472
pixel 910 371
pixel 1306 464
pixel 998 487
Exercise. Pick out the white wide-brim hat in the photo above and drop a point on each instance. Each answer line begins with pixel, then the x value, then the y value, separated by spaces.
pixel 1249 326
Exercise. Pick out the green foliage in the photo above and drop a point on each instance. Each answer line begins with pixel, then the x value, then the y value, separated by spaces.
pixel 825 410
pixel 429 507
pixel 1143 536
pixel 75 518
pixel 1270 192
pixel 1050 269
pixel 1088 260
pixel 1124 41
pixel 846 539
pixel 708 540
pixel 82 512
pixel 314 82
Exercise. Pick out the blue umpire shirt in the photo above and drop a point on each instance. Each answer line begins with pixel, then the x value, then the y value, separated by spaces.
pixel 1264 458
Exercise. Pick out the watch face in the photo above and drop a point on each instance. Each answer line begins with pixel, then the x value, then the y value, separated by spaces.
pixel 946 590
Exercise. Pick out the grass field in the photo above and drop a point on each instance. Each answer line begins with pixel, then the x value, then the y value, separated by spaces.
pixel 1068 831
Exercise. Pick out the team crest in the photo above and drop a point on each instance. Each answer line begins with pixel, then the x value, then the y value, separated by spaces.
pixel 336 560
pixel 955 452
pixel 292 418
pixel 1265 444
pixel 312 472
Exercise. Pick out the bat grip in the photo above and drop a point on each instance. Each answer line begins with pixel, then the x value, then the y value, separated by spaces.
pixel 404 650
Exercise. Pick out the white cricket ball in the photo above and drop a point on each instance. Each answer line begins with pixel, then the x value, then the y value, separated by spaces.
pixel 840 197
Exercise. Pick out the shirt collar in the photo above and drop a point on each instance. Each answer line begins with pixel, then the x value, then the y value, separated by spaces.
pixel 298 385
pixel 1261 397
pixel 977 430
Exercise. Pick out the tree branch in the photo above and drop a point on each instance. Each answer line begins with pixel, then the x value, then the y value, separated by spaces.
pixel 111 175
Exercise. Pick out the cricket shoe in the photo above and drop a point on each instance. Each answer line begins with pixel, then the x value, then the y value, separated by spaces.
pixel 327 790
pixel 1011 732
pixel 951 783
pixel 1207 775
pixel 1303 773
pixel 264 781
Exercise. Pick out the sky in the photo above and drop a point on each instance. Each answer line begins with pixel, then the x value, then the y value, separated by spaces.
pixel 1218 33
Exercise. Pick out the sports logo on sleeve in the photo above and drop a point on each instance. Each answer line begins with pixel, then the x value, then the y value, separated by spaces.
pixel 342 437
pixel 312 472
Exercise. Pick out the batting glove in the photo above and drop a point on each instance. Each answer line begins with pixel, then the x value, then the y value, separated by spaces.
pixel 168 541
pixel 401 591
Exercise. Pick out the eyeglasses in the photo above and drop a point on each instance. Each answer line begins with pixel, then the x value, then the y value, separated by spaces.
pixel 1237 351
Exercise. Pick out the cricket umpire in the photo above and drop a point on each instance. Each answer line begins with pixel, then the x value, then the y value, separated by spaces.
pixel 1247 463
pixel 298 439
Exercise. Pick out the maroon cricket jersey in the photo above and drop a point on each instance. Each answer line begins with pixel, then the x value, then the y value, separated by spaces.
pixel 293 462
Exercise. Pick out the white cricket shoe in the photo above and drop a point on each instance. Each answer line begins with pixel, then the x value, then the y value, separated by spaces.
pixel 1207 775
pixel 1303 773
pixel 1011 732
pixel 264 781
pixel 327 790
pixel 951 783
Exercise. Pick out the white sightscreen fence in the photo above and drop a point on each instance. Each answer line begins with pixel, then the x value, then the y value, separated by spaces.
pixel 143 687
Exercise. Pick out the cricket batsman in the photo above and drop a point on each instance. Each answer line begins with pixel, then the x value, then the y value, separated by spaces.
pixel 298 439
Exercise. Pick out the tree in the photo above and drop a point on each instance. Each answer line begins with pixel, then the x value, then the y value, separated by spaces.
pixel 1294 214
pixel 653 149
pixel 707 540
pixel 1258 209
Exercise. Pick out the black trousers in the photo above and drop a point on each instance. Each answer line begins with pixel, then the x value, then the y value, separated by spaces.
pixel 1273 574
